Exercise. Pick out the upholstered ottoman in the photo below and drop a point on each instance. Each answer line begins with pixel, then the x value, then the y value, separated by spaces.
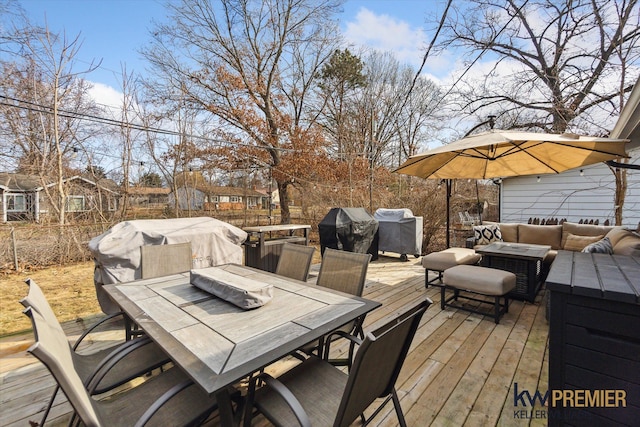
pixel 478 280
pixel 440 261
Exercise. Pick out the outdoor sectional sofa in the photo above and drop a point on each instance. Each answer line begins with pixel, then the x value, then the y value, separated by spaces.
pixel 526 272
pixel 566 236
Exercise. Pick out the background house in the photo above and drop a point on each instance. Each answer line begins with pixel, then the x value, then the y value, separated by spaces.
pixel 210 197
pixel 25 197
pixel 148 197
pixel 587 193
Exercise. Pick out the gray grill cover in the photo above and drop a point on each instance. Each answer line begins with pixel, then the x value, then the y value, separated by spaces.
pixel 116 252
pixel 399 231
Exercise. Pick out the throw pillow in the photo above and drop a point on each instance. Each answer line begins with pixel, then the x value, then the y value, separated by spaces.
pixel 578 243
pixel 602 246
pixel 485 234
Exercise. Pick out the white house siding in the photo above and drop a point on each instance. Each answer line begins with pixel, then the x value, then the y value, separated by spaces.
pixel 572 196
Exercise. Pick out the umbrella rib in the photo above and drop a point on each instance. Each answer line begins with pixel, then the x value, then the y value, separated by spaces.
pixel 479 156
pixel 593 150
pixel 517 146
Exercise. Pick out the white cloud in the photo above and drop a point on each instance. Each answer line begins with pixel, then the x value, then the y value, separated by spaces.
pixel 106 95
pixel 389 34
pixel 383 32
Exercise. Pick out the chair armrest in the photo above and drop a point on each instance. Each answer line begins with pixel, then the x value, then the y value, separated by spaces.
pixel 161 401
pixel 281 390
pixel 94 326
pixel 339 334
pixel 92 382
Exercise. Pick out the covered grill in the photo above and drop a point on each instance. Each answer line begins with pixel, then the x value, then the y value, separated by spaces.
pixel 399 231
pixel 349 229
pixel 117 257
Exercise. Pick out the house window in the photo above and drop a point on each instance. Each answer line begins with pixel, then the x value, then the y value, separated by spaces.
pixel 235 199
pixel 16 203
pixel 75 204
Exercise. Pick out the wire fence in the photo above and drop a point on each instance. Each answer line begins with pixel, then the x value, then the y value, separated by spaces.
pixel 30 245
pixel 33 246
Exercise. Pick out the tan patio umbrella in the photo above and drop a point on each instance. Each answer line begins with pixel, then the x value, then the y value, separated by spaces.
pixel 501 153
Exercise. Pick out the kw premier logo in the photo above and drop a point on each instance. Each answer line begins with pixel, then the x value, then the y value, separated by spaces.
pixel 581 398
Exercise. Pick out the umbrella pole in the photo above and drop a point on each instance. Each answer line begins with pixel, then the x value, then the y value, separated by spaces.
pixel 478 203
pixel 448 189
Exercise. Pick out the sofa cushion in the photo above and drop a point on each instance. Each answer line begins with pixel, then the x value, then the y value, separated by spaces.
pixel 582 230
pixel 440 261
pixel 485 234
pixel 617 233
pixel 628 245
pixel 509 232
pixel 602 246
pixel 540 235
pixel 483 280
pixel 578 243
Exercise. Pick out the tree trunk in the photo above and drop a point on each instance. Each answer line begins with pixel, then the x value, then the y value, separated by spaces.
pixel 621 191
pixel 283 192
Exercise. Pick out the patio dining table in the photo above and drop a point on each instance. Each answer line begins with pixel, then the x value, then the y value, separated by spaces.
pixel 217 343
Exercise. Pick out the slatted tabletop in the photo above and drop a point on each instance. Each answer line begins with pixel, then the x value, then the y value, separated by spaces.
pixel 217 343
pixel 609 277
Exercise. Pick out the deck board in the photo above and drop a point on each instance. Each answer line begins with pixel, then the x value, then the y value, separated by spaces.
pixel 461 369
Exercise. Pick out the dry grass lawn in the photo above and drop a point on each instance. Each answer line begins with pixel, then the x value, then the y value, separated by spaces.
pixel 68 288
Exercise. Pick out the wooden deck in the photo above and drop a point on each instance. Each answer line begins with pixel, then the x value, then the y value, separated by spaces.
pixel 462 369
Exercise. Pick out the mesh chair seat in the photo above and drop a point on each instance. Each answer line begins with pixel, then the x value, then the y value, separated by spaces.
pixel 162 260
pixel 295 261
pixel 345 272
pixel 319 394
pixel 168 398
pixel 142 356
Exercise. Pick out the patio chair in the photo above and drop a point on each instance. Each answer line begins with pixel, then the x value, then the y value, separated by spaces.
pixel 294 261
pixel 142 356
pixel 168 398
pixel 162 260
pixel 345 272
pixel 319 394
pixel 465 219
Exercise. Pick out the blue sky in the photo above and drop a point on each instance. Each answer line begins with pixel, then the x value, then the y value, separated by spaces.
pixel 114 30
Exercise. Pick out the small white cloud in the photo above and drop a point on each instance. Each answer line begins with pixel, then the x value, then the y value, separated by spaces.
pixel 105 95
pixel 386 33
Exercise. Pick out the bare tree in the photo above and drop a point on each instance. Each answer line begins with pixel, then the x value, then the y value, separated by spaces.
pixel 559 64
pixel 43 99
pixel 127 137
pixel 251 65
pixel 374 113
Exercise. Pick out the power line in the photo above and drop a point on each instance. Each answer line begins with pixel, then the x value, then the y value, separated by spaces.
pixel 40 108
pixel 426 55
pixel 484 49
